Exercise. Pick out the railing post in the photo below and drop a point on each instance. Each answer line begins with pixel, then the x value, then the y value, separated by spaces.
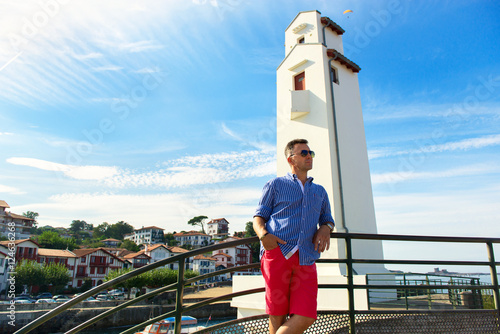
pixel 493 272
pixel 350 283
pixel 406 292
pixel 179 297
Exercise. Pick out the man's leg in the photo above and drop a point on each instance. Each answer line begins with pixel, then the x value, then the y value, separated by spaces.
pixel 297 324
pixel 275 322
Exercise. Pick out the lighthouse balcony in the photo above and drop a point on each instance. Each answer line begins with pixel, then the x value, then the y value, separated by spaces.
pixel 300 103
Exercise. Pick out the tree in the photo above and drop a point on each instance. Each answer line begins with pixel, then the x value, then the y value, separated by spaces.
pixel 129 245
pixel 135 282
pixel 255 247
pixel 56 274
pixel 31 273
pixel 101 230
pixel 170 239
pixel 118 230
pixel 198 220
pixel 80 226
pixel 51 239
pixel 34 216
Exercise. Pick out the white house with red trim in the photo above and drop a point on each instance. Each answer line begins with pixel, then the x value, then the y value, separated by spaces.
pixel 218 228
pixel 94 264
pixel 235 256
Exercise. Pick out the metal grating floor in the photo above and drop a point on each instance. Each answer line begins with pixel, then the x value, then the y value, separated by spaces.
pixel 390 322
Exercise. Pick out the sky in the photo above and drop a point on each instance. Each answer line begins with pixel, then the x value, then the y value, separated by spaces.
pixel 153 112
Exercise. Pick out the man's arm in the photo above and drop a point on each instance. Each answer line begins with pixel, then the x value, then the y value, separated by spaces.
pixel 269 241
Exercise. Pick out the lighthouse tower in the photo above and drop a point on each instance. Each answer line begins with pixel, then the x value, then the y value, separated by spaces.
pixel 318 99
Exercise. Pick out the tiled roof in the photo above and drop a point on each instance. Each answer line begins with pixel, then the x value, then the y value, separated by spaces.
pixel 133 255
pixel 332 53
pixel 111 239
pixel 17 242
pixel 175 249
pixel 203 257
pixel 150 227
pixel 222 254
pixel 332 25
pixel 55 252
pixel 4 204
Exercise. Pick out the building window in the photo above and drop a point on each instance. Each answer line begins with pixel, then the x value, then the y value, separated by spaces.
pixel 83 260
pixel 335 75
pixel 301 40
pixel 300 81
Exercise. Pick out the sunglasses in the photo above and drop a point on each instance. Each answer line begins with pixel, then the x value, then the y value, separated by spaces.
pixel 304 153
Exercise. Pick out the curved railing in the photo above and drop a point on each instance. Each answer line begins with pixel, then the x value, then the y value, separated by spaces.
pixel 349 261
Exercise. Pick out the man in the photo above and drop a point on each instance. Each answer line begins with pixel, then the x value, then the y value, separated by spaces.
pixel 290 210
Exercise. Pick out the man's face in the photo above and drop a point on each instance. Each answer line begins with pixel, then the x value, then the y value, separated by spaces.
pixel 298 161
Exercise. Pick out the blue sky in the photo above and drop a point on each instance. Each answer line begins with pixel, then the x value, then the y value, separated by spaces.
pixel 154 112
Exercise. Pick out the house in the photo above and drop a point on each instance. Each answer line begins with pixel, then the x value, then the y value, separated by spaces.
pixel 94 264
pixel 204 265
pixel 223 261
pixel 136 260
pixel 238 255
pixel 14 223
pixel 157 252
pixel 193 238
pixel 12 253
pixel 177 251
pixel 24 249
pixel 146 235
pixel 4 269
pixel 64 257
pixel 111 242
pixel 218 228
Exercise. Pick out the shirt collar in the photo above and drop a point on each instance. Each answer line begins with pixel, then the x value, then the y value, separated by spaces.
pixel 294 177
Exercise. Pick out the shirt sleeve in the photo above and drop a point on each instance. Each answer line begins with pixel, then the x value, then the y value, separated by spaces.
pixel 266 203
pixel 326 212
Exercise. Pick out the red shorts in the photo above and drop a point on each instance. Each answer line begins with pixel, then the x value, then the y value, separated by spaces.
pixel 290 287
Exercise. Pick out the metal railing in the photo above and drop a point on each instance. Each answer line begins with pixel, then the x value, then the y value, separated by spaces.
pixel 349 261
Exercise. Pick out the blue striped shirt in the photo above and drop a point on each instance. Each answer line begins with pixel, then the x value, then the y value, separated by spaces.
pixel 293 215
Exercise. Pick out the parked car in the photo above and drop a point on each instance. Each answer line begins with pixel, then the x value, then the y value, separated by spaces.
pixel 61 298
pixel 24 300
pixel 44 295
pixel 104 297
pixel 119 296
pixel 45 300
pixel 89 299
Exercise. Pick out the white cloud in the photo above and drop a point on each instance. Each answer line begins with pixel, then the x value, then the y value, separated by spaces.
pixel 75 172
pixel 184 172
pixel 11 190
pixel 400 176
pixel 461 145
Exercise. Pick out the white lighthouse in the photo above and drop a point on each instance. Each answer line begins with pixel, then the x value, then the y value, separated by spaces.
pixel 318 99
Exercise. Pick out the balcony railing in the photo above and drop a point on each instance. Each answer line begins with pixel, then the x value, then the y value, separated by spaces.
pixel 348 320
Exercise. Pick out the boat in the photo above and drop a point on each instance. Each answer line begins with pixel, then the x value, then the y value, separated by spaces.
pixel 167 325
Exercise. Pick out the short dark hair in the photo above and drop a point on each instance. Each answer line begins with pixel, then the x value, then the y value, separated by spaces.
pixel 291 144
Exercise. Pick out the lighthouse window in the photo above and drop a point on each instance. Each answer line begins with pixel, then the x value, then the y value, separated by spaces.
pixel 335 75
pixel 301 40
